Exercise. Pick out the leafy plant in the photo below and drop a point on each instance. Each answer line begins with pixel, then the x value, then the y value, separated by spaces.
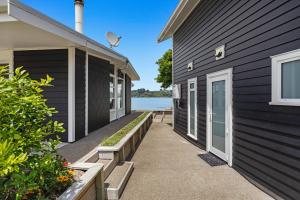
pixel 165 70
pixel 9 162
pixel 115 138
pixel 30 167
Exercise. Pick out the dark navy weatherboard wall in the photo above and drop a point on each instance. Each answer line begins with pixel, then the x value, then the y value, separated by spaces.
pixel 266 139
pixel 99 115
pixel 39 63
pixel 80 57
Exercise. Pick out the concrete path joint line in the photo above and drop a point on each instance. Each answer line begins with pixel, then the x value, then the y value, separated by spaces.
pixel 167 168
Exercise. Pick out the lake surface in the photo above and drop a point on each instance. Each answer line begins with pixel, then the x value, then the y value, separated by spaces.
pixel 151 103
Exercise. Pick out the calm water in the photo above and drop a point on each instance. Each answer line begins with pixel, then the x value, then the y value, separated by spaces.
pixel 151 103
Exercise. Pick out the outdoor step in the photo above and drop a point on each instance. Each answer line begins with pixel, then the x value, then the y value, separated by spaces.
pixel 109 165
pixel 158 118
pixel 167 119
pixel 117 180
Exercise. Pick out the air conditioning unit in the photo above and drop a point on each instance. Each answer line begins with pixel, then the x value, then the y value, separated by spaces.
pixel 176 91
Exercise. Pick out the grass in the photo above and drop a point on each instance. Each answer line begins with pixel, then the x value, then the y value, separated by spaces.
pixel 115 138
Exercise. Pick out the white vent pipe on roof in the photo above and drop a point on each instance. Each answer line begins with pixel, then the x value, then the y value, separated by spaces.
pixel 79 4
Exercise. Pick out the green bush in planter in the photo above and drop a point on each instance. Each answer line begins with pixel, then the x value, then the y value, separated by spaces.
pixel 30 167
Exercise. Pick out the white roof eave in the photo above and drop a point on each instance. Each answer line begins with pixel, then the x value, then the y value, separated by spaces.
pixel 134 75
pixel 181 13
pixel 25 14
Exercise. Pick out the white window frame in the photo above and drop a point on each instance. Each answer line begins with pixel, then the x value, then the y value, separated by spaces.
pixel 277 62
pixel 193 80
pixel 211 78
pixel 123 92
pixel 114 86
pixel 114 112
pixel 121 111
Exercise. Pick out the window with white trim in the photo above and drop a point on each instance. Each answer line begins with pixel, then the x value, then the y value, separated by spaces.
pixel 286 79
pixel 120 93
pixel 112 92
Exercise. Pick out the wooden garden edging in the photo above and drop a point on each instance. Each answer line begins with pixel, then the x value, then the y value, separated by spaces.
pixel 90 186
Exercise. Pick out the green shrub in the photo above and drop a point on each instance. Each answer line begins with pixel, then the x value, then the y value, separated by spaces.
pixel 30 167
pixel 115 138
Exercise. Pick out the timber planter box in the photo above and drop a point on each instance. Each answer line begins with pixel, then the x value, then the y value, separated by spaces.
pixel 127 146
pixel 90 185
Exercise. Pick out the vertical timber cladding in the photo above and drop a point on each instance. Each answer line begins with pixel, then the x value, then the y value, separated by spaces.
pixel 266 139
pixel 39 63
pixel 99 111
pixel 127 94
pixel 80 57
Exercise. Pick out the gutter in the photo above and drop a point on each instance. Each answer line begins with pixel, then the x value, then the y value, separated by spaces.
pixel 28 15
pixel 181 13
pixel 134 73
pixel 12 4
pixel 171 21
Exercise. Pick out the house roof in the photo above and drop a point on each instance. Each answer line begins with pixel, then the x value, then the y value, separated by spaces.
pixel 182 11
pixel 23 27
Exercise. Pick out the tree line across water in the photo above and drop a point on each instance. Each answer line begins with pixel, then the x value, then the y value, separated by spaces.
pixel 147 93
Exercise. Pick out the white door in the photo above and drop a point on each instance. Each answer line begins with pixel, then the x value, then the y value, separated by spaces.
pixel 192 108
pixel 219 119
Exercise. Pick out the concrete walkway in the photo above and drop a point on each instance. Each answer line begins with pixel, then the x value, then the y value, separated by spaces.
pixel 74 151
pixel 168 167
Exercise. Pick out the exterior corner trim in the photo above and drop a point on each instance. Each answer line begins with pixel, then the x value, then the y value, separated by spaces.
pixel 71 94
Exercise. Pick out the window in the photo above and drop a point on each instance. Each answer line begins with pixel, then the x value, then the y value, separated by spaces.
pixel 120 93
pixel 285 79
pixel 192 108
pixel 112 92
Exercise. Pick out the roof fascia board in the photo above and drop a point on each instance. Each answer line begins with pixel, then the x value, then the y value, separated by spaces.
pixel 39 20
pixel 96 48
pixel 32 17
pixel 6 18
pixel 23 13
pixel 134 75
pixel 172 19
pixel 175 21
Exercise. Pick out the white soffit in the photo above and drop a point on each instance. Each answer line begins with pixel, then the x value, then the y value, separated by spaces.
pixel 30 16
pixel 181 13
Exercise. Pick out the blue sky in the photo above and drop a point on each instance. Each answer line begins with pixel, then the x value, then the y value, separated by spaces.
pixel 139 22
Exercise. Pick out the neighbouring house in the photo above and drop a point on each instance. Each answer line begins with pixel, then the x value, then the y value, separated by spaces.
pixel 92 83
pixel 236 76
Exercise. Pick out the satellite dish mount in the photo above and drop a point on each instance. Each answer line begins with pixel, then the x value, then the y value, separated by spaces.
pixel 113 39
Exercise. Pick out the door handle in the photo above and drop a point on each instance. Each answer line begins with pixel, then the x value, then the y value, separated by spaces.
pixel 227 131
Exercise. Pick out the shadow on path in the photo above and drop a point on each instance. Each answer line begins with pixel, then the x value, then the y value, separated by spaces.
pixel 166 166
pixel 74 151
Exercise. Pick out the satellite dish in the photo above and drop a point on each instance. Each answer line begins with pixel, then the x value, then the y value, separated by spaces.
pixel 113 39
